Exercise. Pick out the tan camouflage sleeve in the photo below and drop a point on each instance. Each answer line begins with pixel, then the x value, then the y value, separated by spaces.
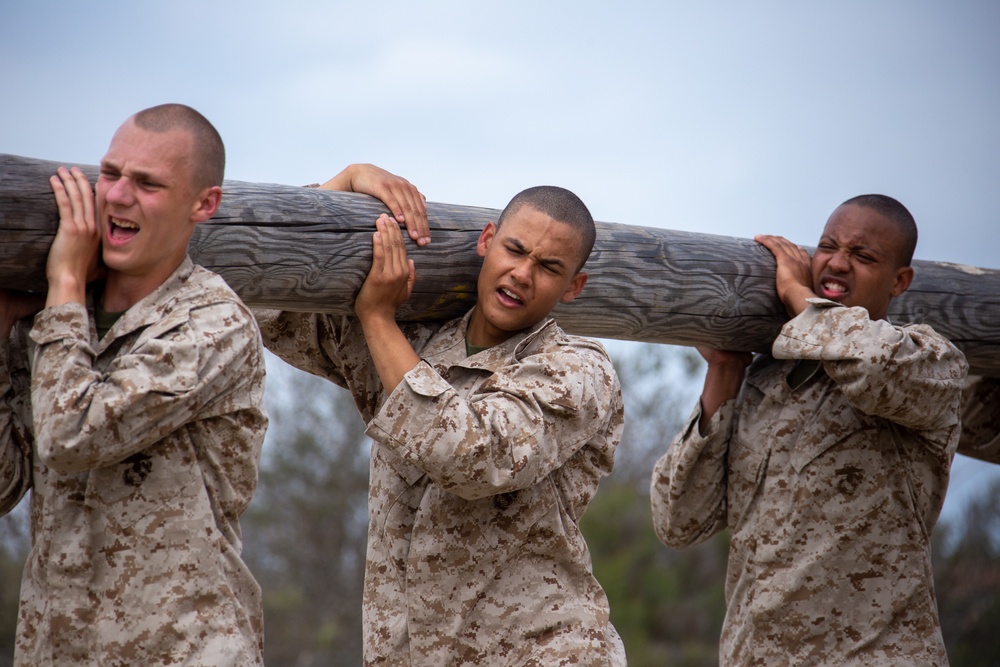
pixel 981 419
pixel 301 340
pixel 15 435
pixel 688 487
pixel 86 418
pixel 524 422
pixel 909 375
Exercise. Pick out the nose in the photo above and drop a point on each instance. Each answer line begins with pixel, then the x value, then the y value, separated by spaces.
pixel 522 271
pixel 120 193
pixel 839 261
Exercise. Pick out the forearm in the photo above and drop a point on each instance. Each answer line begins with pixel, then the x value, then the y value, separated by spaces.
pixel 722 383
pixel 342 182
pixel 391 352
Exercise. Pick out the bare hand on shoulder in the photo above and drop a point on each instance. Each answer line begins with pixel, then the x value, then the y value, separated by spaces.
pixel 73 256
pixel 401 197
pixel 793 272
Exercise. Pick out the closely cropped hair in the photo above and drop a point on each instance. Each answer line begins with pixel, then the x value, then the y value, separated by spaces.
pixel 559 204
pixel 209 152
pixel 896 212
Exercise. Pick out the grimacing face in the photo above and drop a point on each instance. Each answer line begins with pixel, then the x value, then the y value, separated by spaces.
pixel 147 204
pixel 856 262
pixel 529 266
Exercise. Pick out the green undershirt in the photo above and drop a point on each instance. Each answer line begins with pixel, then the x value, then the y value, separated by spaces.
pixel 471 349
pixel 105 320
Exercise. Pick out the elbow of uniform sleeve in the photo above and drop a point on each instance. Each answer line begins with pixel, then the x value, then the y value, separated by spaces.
pixel 64 440
pixel 506 441
pixel 661 504
pixel 468 476
pixel 61 455
pixel 267 320
pixel 680 519
pixel 688 488
pixel 918 386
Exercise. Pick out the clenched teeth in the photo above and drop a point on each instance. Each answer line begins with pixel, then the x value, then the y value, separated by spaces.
pixel 834 287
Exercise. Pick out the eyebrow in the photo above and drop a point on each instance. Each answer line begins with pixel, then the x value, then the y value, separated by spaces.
pixel 553 261
pixel 134 174
pixel 853 248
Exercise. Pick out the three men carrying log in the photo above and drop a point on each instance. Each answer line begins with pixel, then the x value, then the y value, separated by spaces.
pixel 491 434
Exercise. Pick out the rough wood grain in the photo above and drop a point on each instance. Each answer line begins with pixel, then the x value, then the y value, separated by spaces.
pixel 304 249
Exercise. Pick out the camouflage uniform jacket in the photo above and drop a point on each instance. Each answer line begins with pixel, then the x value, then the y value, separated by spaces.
pixel 145 451
pixel 481 469
pixel 830 491
pixel 981 419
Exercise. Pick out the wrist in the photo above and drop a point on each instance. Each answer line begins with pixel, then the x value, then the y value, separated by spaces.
pixel 343 182
pixel 795 299
pixel 376 322
pixel 66 288
pixel 726 375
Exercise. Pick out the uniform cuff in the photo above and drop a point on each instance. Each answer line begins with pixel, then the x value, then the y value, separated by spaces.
pixel 68 320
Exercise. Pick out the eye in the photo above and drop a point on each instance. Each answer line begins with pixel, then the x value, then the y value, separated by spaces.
pixel 513 249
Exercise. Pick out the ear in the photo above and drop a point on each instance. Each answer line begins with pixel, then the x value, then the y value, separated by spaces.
pixel 485 238
pixel 207 204
pixel 904 277
pixel 575 287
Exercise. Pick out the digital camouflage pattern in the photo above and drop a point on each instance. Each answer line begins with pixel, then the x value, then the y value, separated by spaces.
pixel 146 447
pixel 981 419
pixel 830 492
pixel 481 469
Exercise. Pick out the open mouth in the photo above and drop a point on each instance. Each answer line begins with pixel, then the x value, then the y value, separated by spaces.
pixel 509 298
pixel 121 230
pixel 833 289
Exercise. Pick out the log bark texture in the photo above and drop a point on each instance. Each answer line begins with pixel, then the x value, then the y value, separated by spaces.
pixel 305 249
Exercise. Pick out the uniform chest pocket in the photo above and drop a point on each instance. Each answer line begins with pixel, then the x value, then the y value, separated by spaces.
pixel 142 484
pixel 826 429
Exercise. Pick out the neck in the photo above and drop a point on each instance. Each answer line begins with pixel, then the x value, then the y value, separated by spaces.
pixel 122 291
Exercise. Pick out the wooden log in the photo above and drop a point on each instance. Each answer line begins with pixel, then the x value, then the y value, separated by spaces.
pixel 304 249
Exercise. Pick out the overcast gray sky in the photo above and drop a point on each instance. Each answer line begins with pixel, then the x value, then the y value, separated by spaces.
pixel 721 117
pixel 724 117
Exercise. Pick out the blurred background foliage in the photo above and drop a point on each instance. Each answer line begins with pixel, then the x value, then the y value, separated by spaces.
pixel 304 534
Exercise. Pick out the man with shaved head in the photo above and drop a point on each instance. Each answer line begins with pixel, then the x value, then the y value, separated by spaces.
pixel 827 460
pixel 141 438
pixel 491 434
